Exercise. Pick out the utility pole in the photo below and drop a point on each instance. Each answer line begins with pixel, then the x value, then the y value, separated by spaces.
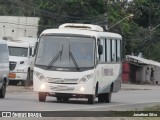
pixel 150 35
pixel 106 14
pixel 129 16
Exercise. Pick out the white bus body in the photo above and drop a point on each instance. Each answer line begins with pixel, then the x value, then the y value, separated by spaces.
pixel 21 59
pixel 4 67
pixel 60 72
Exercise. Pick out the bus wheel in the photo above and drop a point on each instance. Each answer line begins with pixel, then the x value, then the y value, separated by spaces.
pixel 42 96
pixel 100 98
pixel 65 99
pixel 107 97
pixel 59 98
pixel 3 90
pixel 91 99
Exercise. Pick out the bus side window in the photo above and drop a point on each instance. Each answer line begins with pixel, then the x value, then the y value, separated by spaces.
pixel 113 50
pixel 103 55
pixel 108 50
pixel 118 50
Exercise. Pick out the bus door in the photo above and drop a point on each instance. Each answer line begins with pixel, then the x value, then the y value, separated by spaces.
pixel 101 63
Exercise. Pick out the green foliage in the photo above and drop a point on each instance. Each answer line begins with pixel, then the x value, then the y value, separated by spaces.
pixel 146 15
pixel 16 7
pixel 58 12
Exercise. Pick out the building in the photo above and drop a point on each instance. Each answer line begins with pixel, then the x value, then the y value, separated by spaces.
pixel 18 26
pixel 134 70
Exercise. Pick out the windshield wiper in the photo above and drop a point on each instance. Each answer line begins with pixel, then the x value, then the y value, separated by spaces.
pixel 59 54
pixel 73 59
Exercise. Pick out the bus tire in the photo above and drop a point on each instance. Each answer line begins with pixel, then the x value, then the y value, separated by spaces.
pixel 42 96
pixel 3 90
pixel 107 97
pixel 59 98
pixel 100 98
pixel 65 99
pixel 91 99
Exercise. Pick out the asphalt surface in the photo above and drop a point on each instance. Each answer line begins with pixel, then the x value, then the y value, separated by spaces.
pixel 130 97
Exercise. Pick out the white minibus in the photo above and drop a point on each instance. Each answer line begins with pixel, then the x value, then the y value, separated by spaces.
pixel 78 61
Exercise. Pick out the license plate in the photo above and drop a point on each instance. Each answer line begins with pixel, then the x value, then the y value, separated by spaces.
pixel 12 75
pixel 61 87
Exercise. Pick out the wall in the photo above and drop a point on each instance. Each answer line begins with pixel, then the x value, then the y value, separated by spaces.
pixel 156 73
pixel 18 26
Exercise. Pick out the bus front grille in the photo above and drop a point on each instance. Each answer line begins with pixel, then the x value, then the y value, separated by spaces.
pixel 62 81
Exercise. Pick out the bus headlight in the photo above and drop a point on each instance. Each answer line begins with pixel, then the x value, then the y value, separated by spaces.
pixel 82 89
pixel 42 87
pixel 40 76
pixel 85 78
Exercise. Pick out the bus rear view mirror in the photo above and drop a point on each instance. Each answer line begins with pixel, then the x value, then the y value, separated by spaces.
pixel 100 49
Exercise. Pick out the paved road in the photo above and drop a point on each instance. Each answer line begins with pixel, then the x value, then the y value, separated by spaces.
pixel 129 98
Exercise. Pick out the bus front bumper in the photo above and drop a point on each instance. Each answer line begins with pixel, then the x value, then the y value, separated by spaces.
pixel 67 89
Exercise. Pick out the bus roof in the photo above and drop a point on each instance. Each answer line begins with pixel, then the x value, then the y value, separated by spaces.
pixel 82 26
pixel 82 29
pixel 81 32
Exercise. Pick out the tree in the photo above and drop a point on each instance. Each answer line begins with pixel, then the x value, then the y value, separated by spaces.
pixel 147 16
pixel 16 7
pixel 54 13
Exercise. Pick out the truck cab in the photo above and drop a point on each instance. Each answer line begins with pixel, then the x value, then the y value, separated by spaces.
pixel 4 67
pixel 21 61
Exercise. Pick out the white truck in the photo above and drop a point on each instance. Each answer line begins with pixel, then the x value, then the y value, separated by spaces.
pixel 4 67
pixel 21 60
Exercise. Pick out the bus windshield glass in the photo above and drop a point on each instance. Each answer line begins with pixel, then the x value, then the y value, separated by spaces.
pixel 66 52
pixel 18 51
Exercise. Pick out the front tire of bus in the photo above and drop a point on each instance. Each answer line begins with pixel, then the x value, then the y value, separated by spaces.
pixel 59 98
pixel 42 96
pixel 91 99
pixel 107 98
pixel 100 98
pixel 65 99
